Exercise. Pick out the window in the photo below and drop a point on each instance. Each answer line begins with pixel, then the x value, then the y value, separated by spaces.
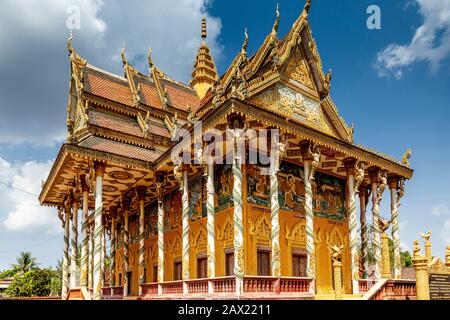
pixel 130 280
pixel 202 265
pixel 263 263
pixel 145 276
pixel 229 264
pixel 177 271
pixel 155 273
pixel 299 265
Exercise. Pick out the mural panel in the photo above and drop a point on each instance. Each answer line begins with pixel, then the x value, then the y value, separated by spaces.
pixel 223 185
pixel 197 209
pixel 329 192
pixel 329 197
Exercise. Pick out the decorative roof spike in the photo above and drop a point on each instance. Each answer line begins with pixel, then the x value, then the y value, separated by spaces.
pixel 204 33
pixel 307 7
pixel 245 44
pixel 277 22
pixel 69 42
pixel 124 57
pixel 149 57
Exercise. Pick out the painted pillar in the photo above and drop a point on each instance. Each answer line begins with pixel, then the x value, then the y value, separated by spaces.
pixel 393 185
pixel 160 234
pixel 65 275
pixel 211 212
pixel 238 227
pixel 91 255
pixel 373 172
pixel 84 231
pixel 185 226
pixel 98 229
pixel 307 156
pixel 112 249
pixel 337 272
pixel 74 243
pixel 141 191
pixel 353 232
pixel 126 250
pixel 275 224
pixel 363 222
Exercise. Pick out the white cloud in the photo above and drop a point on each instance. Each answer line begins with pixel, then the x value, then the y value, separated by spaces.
pixel 20 209
pixel 405 247
pixel 441 209
pixel 431 42
pixel 34 64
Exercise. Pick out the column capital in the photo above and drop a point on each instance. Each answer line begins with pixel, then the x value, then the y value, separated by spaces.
pixel 305 149
pixel 393 181
pixel 100 168
pixel 84 185
pixel 141 192
pixel 373 174
pixel 349 164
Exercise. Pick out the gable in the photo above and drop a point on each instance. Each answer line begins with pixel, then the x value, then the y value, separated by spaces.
pixel 297 73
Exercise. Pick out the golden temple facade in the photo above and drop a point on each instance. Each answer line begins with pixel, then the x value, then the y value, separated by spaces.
pixel 220 228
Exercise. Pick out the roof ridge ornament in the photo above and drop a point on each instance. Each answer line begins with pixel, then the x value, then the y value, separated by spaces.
pixel 123 54
pixel 277 22
pixel 149 57
pixel 306 8
pixel 69 42
pixel 245 44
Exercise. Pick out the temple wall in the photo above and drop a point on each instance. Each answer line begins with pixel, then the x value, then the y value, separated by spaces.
pixel 330 226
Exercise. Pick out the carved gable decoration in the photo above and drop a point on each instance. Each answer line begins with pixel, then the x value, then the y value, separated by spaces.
pixel 226 231
pixel 437 266
pixel 260 228
pixel 295 105
pixel 176 249
pixel 297 70
pixel 297 233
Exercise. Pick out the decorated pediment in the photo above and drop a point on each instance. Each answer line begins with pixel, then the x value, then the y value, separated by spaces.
pixel 293 104
pixel 297 72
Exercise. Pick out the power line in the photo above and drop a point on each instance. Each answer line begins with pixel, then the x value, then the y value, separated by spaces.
pixel 19 189
pixel 31 246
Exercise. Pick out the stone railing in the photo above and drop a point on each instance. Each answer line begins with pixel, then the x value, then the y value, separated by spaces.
pixel 112 292
pixel 366 284
pixel 397 290
pixel 291 284
pixel 172 287
pixel 223 284
pixel 197 286
pixel 227 285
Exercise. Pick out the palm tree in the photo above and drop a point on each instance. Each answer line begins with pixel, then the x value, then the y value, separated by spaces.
pixel 25 262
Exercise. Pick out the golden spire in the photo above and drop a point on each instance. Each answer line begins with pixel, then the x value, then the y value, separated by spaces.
pixel 277 22
pixel 204 33
pixel 204 74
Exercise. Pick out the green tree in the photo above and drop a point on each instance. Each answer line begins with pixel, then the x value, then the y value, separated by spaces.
pixel 10 273
pixel 33 283
pixel 25 262
pixel 56 280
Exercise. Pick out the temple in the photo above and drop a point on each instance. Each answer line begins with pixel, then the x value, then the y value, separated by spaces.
pixel 220 228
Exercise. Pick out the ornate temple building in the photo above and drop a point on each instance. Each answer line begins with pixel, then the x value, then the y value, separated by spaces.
pixel 220 228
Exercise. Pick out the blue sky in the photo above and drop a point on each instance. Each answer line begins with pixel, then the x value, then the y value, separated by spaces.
pixel 393 84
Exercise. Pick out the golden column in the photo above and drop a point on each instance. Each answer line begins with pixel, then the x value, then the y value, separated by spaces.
pixel 426 239
pixel 385 257
pixel 141 191
pixel 336 256
pixel 421 267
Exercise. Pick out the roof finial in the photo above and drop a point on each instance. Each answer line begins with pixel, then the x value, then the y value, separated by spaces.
pixel 245 44
pixel 307 7
pixel 124 58
pixel 204 34
pixel 69 42
pixel 277 21
pixel 149 57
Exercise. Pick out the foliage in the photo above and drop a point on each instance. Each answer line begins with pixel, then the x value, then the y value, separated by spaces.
pixel 25 263
pixel 33 283
pixel 406 259
pixel 9 273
